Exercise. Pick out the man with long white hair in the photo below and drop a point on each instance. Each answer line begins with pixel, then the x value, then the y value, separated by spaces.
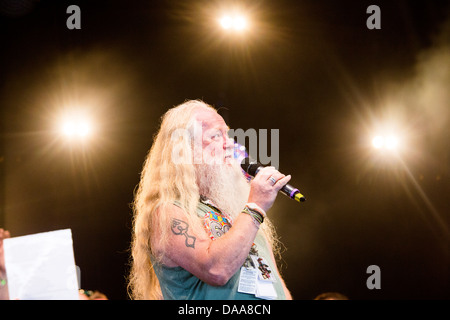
pixel 200 229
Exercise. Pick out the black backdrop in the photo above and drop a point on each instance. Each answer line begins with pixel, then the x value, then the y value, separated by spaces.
pixel 311 69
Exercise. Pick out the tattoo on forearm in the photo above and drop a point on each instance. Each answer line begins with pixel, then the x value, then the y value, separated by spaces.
pixel 180 227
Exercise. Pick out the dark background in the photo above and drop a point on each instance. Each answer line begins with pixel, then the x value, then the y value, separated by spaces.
pixel 311 69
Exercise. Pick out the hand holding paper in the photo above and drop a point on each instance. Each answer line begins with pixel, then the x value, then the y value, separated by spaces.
pixel 4 234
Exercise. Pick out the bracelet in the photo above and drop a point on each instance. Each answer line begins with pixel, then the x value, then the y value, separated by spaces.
pixel 2 282
pixel 255 207
pixel 256 216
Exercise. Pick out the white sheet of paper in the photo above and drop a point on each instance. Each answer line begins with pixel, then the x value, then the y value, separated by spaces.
pixel 41 266
pixel 265 290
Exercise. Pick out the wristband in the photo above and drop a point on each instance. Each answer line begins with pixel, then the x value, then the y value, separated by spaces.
pixel 257 208
pixel 256 216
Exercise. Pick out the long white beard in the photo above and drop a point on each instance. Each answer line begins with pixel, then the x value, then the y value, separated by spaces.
pixel 225 185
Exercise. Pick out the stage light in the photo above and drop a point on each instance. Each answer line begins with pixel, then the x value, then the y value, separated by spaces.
pixel 389 142
pixel 234 22
pixel 76 127
pixel 378 142
pixel 68 129
pixel 240 23
pixel 226 22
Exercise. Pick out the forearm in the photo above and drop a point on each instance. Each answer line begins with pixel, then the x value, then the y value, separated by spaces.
pixel 212 261
pixel 229 252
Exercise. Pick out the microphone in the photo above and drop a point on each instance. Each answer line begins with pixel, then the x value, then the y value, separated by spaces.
pixel 253 167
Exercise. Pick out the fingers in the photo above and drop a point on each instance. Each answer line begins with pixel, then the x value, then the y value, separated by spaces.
pixel 266 172
pixel 265 186
pixel 282 182
pixel 4 234
pixel 273 177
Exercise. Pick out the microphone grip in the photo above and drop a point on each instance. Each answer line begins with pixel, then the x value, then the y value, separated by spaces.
pixel 252 168
pixel 292 193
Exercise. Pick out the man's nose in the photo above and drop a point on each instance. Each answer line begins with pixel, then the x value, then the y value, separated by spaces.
pixel 228 143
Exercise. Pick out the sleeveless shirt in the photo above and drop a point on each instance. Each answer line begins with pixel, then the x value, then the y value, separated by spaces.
pixel 178 284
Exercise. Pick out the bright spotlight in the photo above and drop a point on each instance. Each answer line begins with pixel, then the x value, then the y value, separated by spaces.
pixel 240 23
pixel 76 127
pixel 389 142
pixel 235 22
pixel 378 142
pixel 68 129
pixel 226 22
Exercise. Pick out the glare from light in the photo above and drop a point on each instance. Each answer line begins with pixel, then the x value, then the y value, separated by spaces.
pixel 235 22
pixel 240 23
pixel 68 129
pixel 226 22
pixel 76 128
pixel 378 142
pixel 389 142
